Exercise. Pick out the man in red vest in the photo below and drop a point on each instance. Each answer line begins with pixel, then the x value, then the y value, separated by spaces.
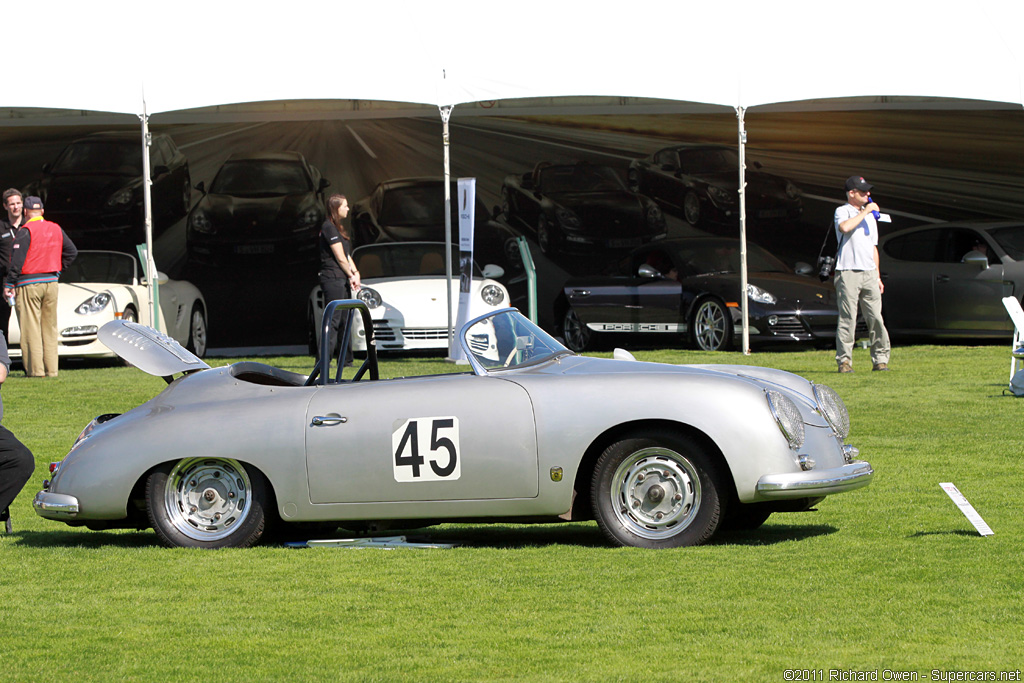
pixel 40 251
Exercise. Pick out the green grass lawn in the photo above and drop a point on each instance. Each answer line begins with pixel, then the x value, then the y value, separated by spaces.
pixel 891 577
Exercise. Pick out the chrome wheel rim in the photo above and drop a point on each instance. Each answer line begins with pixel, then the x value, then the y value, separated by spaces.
pixel 633 180
pixel 691 208
pixel 207 498
pixel 198 332
pixel 506 204
pixel 709 326
pixel 656 493
pixel 576 334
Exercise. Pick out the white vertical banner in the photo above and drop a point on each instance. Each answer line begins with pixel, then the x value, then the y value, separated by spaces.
pixel 466 202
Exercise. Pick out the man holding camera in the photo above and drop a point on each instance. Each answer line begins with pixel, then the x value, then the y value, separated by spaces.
pixel 858 278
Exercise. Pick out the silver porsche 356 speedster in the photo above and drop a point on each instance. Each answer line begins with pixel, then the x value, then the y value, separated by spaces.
pixel 660 455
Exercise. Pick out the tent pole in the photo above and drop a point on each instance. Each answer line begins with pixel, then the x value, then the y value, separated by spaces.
pixel 446 112
pixel 147 203
pixel 743 231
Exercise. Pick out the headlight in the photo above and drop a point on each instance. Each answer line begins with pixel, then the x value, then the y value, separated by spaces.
pixel 759 295
pixel 792 191
pixel 492 295
pixel 94 304
pixel 720 196
pixel 370 297
pixel 655 218
pixel 567 218
pixel 121 197
pixel 200 222
pixel 833 408
pixel 309 218
pixel 787 416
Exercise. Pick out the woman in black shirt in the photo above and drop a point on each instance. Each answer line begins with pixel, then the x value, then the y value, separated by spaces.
pixel 338 275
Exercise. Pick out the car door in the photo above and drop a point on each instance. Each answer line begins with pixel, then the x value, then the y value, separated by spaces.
pixel 438 438
pixel 907 263
pixel 968 296
pixel 633 303
pixel 662 181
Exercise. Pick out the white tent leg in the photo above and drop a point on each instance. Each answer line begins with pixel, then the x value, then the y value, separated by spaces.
pixel 743 231
pixel 446 112
pixel 147 202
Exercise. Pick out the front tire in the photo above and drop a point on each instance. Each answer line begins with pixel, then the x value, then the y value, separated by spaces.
pixel 711 325
pixel 207 503
pixel 656 491
pixel 691 208
pixel 197 332
pixel 544 237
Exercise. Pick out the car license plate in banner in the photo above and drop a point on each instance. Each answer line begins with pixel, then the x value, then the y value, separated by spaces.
pixel 965 507
pixel 254 249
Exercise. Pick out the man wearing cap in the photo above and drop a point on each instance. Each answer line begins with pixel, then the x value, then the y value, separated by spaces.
pixel 857 279
pixel 40 251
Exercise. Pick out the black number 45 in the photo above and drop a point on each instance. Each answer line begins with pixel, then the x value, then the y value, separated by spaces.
pixel 408 452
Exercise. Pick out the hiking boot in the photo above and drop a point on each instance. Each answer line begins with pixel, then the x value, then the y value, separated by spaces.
pixel 879 367
pixel 845 367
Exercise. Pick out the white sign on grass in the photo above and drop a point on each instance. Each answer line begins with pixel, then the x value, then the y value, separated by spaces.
pixel 965 507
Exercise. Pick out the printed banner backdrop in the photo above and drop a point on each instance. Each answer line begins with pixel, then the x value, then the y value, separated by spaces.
pixel 237 203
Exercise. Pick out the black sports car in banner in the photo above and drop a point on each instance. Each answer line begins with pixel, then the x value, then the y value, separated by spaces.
pixel 703 181
pixel 689 289
pixel 580 208
pixel 93 189
pixel 268 206
pixel 412 210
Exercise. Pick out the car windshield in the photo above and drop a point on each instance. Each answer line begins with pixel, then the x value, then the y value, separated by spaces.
pixel 506 339
pixel 579 178
pixel 708 160
pixel 251 178
pixel 1011 239
pixel 101 266
pixel 423 206
pixel 724 257
pixel 100 156
pixel 405 259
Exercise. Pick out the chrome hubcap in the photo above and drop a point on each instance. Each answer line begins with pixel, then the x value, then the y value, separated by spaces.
pixel 206 499
pixel 657 493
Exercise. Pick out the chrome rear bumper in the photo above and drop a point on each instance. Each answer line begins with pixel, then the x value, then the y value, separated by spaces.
pixel 55 505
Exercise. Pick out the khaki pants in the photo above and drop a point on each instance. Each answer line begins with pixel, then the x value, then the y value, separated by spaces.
pixel 36 306
pixel 859 289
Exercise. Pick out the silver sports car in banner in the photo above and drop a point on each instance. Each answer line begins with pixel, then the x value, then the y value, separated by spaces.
pixel 660 455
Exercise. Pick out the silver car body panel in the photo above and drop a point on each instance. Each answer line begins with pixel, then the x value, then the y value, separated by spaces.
pixel 489 440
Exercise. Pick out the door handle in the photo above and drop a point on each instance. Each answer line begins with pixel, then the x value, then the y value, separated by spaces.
pixel 942 278
pixel 579 293
pixel 322 420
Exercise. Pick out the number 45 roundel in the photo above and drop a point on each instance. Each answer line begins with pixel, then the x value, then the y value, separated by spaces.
pixel 426 449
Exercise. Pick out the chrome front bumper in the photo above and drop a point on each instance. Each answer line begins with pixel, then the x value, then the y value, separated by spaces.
pixel 55 506
pixel 816 482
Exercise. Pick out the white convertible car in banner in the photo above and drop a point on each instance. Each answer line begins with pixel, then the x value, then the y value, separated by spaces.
pixel 101 286
pixel 404 288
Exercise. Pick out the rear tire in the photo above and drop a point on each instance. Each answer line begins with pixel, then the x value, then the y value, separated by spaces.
pixel 577 336
pixel 207 503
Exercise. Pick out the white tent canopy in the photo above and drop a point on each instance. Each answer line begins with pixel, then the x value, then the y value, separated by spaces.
pixel 103 56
